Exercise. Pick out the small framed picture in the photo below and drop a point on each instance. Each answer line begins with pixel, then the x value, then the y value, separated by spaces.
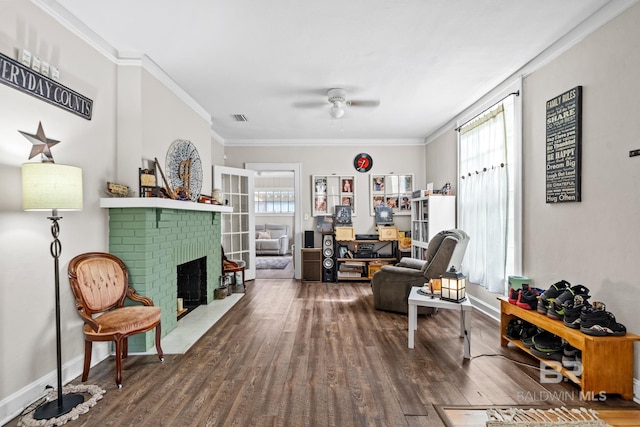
pixel 378 183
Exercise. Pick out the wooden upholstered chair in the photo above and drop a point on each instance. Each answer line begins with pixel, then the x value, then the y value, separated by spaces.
pixel 100 284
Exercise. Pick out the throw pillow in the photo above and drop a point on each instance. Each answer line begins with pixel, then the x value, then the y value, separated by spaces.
pixel 264 235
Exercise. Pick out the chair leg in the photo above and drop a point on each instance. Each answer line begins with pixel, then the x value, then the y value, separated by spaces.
pixel 119 362
pixel 125 348
pixel 158 347
pixel 87 360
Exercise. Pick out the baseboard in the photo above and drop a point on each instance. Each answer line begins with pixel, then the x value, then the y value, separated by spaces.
pixel 13 405
pixel 489 310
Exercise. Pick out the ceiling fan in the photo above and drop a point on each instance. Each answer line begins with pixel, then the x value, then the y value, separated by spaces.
pixel 337 98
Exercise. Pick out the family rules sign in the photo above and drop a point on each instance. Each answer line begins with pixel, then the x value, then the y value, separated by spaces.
pixel 564 117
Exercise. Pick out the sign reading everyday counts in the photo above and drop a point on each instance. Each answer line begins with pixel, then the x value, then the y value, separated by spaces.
pixel 23 78
pixel 564 117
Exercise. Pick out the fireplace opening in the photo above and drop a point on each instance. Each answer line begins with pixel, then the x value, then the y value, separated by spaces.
pixel 192 285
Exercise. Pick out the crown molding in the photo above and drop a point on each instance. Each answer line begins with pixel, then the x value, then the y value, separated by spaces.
pixel 322 142
pixel 594 22
pixel 86 34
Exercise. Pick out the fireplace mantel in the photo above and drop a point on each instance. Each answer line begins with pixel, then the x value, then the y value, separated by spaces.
pixel 157 202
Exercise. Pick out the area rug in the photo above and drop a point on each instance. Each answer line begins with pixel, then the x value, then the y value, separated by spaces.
pixel 272 263
pixel 92 391
pixel 532 417
pixel 519 416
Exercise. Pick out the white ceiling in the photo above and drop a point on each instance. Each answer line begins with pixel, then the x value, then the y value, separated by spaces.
pixel 424 60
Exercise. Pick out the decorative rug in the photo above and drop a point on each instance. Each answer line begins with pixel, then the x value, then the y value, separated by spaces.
pixel 517 417
pixel 94 391
pixel 272 263
pixel 527 416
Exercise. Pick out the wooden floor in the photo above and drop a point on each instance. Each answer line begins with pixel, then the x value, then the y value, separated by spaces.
pixel 318 354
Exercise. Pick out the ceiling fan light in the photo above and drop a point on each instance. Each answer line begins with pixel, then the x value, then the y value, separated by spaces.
pixel 337 111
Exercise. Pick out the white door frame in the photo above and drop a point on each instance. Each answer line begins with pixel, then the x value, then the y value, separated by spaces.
pixel 296 168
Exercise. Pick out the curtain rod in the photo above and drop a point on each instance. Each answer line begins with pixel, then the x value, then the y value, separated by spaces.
pixel 516 93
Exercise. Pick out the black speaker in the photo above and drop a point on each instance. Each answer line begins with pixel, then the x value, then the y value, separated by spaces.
pixel 308 239
pixel 328 258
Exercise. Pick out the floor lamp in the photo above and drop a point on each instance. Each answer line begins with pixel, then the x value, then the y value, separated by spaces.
pixel 48 186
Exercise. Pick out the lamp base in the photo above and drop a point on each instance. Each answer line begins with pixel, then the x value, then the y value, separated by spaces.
pixel 53 410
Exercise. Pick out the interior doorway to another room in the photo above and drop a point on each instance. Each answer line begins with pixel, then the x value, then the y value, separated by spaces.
pixel 277 212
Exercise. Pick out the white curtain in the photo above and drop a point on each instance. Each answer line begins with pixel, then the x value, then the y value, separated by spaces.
pixel 483 198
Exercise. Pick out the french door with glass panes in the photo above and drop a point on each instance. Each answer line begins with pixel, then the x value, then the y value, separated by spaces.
pixel 238 226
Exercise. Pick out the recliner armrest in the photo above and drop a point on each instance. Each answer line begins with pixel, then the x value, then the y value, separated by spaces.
pixel 395 269
pixel 415 263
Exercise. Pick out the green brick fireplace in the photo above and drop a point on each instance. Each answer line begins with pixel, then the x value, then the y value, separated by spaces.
pixel 153 237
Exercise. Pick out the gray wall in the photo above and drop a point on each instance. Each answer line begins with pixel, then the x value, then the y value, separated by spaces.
pixel 328 160
pixel 594 242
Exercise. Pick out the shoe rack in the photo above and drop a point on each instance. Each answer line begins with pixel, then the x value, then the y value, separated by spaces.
pixel 607 362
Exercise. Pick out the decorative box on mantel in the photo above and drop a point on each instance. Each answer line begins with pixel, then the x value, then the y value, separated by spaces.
pixel 153 236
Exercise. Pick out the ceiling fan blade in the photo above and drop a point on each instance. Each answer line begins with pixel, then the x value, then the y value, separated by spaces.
pixel 310 104
pixel 363 103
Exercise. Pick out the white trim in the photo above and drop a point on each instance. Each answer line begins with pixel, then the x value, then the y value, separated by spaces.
pixel 322 142
pixel 13 405
pixel 484 307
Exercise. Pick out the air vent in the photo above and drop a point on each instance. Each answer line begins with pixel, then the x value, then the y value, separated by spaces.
pixel 239 117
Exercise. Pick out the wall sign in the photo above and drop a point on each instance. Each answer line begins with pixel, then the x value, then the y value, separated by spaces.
pixel 564 132
pixel 23 78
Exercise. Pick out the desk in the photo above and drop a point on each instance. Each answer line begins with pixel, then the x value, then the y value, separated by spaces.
pixel 464 307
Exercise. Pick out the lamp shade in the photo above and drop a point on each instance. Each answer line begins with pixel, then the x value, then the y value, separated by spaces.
pixel 48 186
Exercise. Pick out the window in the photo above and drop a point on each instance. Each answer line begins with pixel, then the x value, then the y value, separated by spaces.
pixel 489 171
pixel 274 200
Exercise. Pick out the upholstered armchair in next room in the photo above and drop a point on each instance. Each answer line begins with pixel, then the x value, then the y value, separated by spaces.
pixel 392 284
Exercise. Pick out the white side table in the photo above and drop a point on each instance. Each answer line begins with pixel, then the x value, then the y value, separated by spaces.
pixel 465 308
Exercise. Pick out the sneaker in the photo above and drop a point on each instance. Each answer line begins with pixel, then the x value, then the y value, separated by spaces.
pixel 527 299
pixel 601 323
pixel 547 346
pixel 518 328
pixel 529 334
pixel 550 294
pixel 572 311
pixel 514 329
pixel 556 309
pixel 513 295
pixel 569 354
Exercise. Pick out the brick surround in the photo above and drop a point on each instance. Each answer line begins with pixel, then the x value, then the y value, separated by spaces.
pixel 152 242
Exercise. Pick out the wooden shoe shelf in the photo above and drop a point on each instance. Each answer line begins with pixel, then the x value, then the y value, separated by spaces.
pixel 607 362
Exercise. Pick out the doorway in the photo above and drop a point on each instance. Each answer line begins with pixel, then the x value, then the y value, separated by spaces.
pixel 286 169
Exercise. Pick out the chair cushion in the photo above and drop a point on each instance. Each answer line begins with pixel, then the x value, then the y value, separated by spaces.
pixel 263 235
pixel 125 321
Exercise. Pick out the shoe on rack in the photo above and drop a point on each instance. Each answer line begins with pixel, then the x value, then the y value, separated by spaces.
pixel 527 299
pixel 550 294
pixel 556 309
pixel 569 354
pixel 601 323
pixel 518 328
pixel 529 334
pixel 547 346
pixel 573 309
pixel 513 295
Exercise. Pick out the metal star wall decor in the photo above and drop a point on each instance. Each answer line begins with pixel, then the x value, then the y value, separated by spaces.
pixel 41 144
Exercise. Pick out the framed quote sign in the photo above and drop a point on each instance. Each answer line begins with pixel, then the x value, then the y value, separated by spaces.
pixel 564 132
